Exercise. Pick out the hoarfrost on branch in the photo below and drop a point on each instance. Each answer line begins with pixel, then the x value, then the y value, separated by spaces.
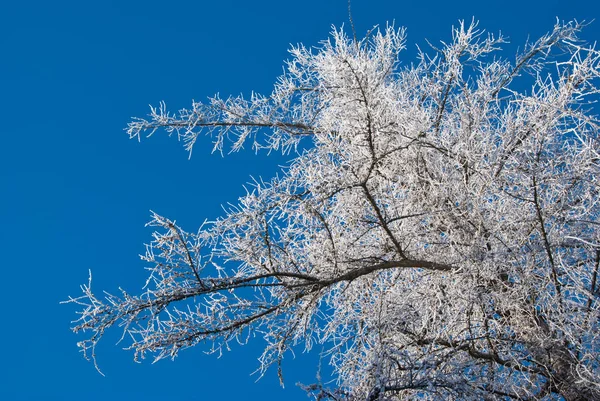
pixel 438 235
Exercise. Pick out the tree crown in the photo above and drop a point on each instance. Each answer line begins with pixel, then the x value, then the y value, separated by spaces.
pixel 437 234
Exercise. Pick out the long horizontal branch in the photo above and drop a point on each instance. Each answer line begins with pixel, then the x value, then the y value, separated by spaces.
pixel 184 124
pixel 422 264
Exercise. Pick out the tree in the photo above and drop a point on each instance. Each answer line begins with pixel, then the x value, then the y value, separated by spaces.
pixel 436 231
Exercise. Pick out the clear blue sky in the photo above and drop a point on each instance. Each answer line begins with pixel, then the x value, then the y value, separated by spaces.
pixel 76 192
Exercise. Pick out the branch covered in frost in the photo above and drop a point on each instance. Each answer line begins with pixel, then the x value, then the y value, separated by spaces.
pixel 438 236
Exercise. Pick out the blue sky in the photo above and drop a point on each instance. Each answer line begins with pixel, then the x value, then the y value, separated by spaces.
pixel 76 192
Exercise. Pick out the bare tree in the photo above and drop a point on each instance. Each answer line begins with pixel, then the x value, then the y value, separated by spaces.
pixel 438 234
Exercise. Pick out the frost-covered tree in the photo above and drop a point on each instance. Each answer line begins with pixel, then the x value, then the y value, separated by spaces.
pixel 437 232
